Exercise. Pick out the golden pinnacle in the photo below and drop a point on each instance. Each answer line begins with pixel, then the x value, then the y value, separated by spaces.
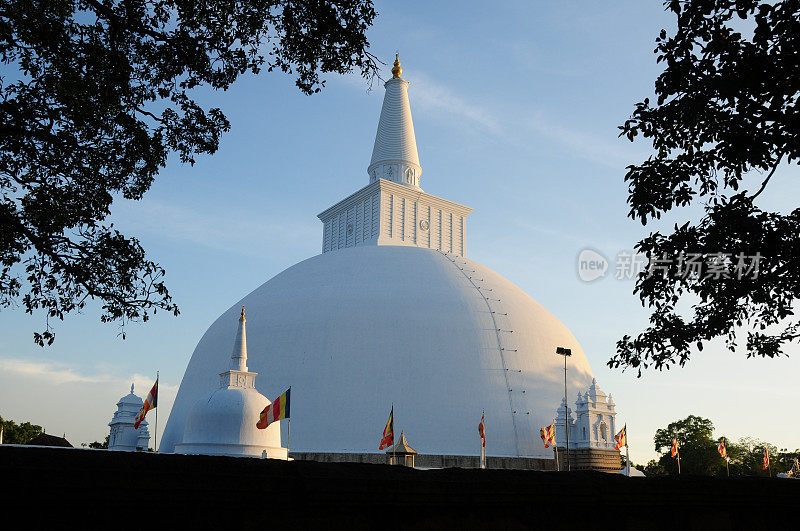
pixel 396 70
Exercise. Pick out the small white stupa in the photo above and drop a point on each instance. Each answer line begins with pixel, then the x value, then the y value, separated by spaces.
pixel 123 435
pixel 224 423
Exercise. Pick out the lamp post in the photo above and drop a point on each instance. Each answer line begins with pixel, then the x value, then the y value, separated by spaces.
pixel 566 352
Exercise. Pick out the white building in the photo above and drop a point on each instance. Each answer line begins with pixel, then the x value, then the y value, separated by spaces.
pixel 392 311
pixel 224 422
pixel 123 436
pixel 594 425
pixel 591 431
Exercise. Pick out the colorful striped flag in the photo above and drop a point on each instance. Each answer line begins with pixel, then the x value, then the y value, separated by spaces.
pixel 482 431
pixel 149 403
pixel 278 410
pixel 723 452
pixel 674 450
pixel 766 458
pixel 548 434
pixel 388 432
pixel 621 438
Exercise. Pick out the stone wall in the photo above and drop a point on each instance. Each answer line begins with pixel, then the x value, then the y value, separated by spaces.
pixel 432 460
pixel 592 459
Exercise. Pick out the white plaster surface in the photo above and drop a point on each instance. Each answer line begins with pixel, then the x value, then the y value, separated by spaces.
pixel 354 330
pixel 224 422
pixel 122 435
pixel 394 154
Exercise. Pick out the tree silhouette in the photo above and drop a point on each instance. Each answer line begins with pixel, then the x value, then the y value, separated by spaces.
pixel 94 98
pixel 725 120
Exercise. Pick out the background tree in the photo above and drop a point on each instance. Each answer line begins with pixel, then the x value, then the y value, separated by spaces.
pixel 747 458
pixel 100 445
pixel 94 97
pixel 725 119
pixel 14 433
pixel 697 448
pixel 654 468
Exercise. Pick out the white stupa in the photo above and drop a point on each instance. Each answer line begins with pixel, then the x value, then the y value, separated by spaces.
pixel 224 422
pixel 122 435
pixel 393 311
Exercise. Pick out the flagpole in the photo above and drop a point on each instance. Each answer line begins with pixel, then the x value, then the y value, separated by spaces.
pixel 769 462
pixel 555 446
pixel 288 426
pixel 679 462
pixel 627 456
pixel 155 443
pixel 394 446
pixel 483 439
pixel 728 466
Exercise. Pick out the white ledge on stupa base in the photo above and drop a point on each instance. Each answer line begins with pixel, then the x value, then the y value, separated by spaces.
pixel 387 213
pixel 240 450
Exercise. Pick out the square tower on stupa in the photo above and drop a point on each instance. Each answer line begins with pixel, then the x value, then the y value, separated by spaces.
pixel 392 209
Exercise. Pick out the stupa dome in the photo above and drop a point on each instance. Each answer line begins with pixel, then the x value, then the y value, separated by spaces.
pixel 228 419
pixel 392 312
pixel 354 330
pixel 223 422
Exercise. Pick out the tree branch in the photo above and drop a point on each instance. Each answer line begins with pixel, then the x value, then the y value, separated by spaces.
pixel 764 184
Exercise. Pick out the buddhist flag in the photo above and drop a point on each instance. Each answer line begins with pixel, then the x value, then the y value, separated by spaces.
pixel 674 450
pixel 388 432
pixel 278 410
pixel 482 431
pixel 149 403
pixel 621 438
pixel 548 434
pixel 723 452
pixel 766 458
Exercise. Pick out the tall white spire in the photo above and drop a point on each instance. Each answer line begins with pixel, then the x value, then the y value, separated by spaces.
pixel 394 156
pixel 239 356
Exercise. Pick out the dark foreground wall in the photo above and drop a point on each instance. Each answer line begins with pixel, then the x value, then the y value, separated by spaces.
pixel 92 489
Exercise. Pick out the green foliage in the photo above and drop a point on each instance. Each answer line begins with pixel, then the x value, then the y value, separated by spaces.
pixel 654 468
pixel 698 450
pixel 100 445
pixel 726 111
pixel 747 458
pixel 700 455
pixel 94 98
pixel 14 433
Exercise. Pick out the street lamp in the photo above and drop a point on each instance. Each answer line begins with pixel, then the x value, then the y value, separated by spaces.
pixel 566 352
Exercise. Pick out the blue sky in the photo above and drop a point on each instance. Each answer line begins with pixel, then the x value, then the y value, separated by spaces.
pixel 516 107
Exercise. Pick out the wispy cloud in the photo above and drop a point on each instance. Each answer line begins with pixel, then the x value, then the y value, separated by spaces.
pixel 233 232
pixel 548 231
pixel 431 95
pixel 56 373
pixel 606 150
pixel 492 117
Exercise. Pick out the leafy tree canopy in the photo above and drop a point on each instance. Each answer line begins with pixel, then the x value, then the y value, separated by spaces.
pixel 698 450
pixel 100 445
pixel 23 433
pixel 726 117
pixel 94 97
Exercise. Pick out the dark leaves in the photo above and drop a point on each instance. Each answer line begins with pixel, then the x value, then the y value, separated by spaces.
pixel 95 96
pixel 727 106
